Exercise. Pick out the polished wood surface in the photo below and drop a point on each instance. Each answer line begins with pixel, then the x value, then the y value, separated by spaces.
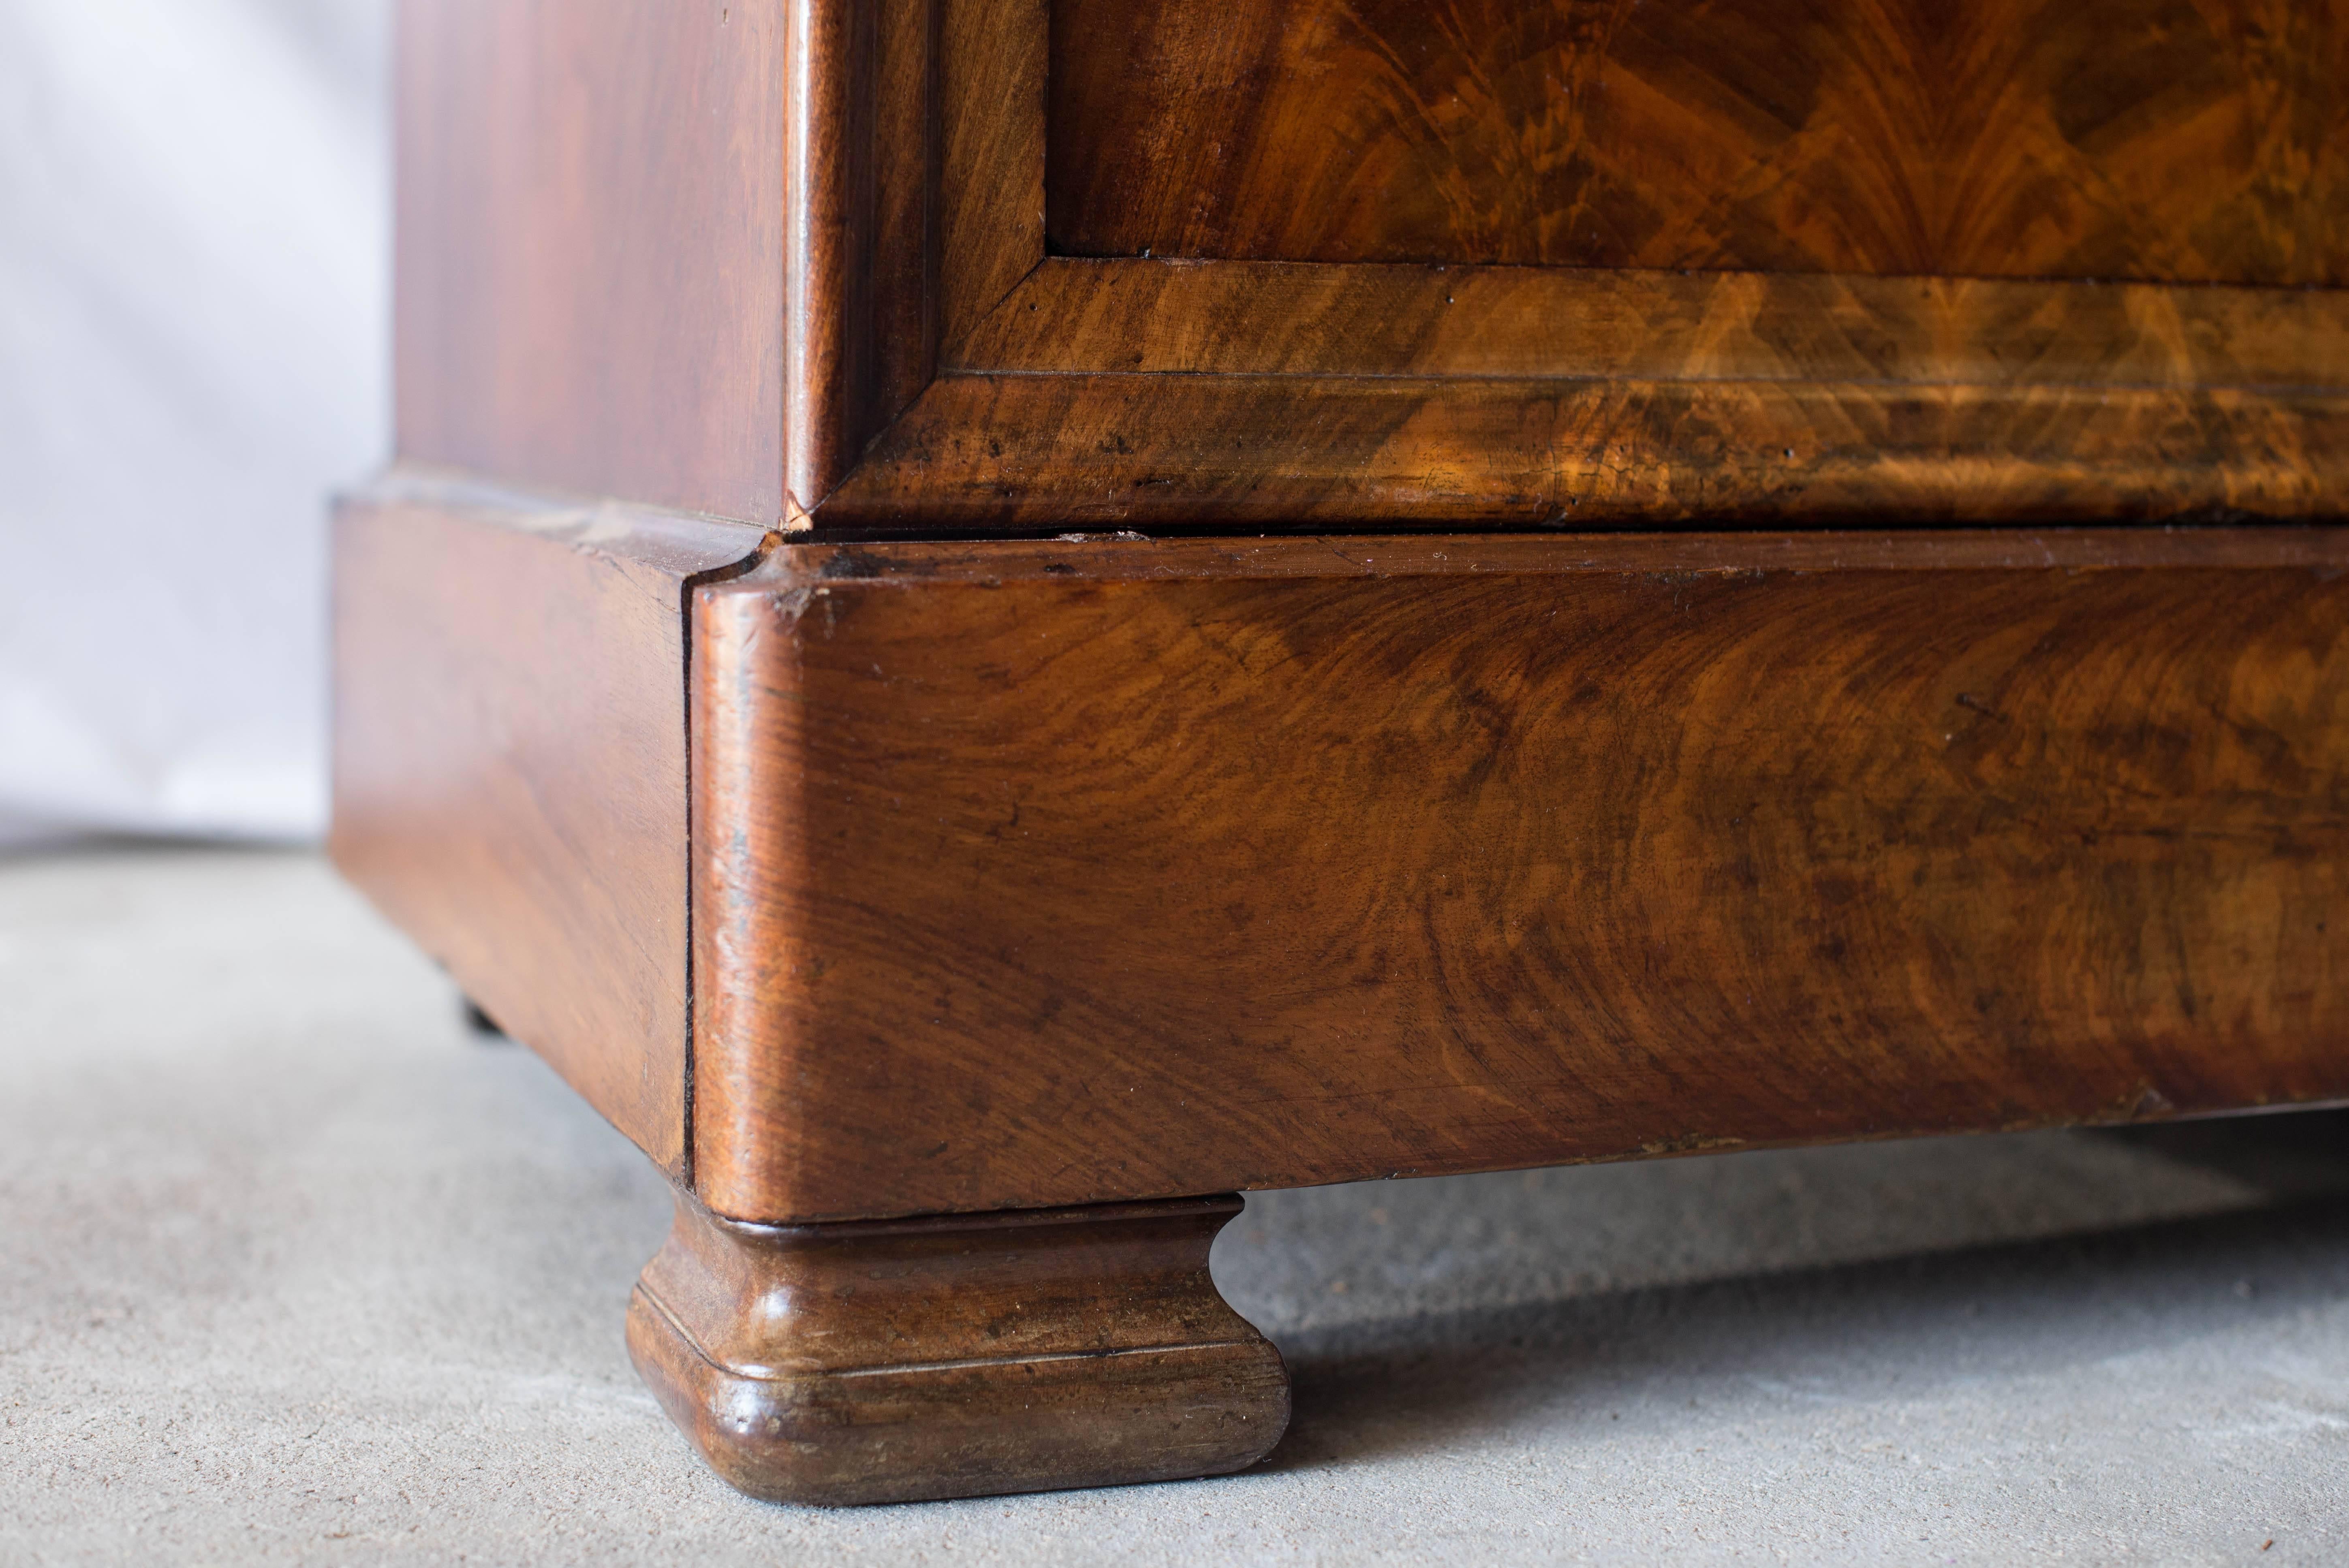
pixel 715 258
pixel 1207 452
pixel 991 151
pixel 681 252
pixel 885 1363
pixel 1077 871
pixel 510 767
pixel 860 876
pixel 1569 326
pixel 590 288
pixel 2182 141
pixel 859 331
pixel 1157 394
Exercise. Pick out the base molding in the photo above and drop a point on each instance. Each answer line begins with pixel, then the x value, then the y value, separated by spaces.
pixel 898 1360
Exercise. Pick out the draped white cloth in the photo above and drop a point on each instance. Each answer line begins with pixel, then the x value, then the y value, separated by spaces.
pixel 194 341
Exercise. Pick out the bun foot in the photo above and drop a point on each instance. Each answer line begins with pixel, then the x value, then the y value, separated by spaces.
pixel 893 1360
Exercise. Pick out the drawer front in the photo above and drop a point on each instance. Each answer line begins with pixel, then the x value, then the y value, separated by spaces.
pixel 1019 266
pixel 2154 139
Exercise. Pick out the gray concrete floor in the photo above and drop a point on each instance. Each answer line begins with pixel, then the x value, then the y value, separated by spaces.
pixel 293 1269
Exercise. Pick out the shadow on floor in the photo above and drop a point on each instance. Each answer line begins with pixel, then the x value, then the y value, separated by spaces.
pixel 2286 1153
pixel 1906 1327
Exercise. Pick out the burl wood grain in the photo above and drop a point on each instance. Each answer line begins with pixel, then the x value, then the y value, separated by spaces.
pixel 1167 394
pixel 1034 874
pixel 2203 140
pixel 1561 325
pixel 1202 452
pixel 510 767
pixel 712 256
pixel 957 1357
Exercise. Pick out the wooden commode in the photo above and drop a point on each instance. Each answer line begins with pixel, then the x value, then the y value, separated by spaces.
pixel 999 619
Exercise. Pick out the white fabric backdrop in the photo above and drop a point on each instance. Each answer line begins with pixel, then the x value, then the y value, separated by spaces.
pixel 194 260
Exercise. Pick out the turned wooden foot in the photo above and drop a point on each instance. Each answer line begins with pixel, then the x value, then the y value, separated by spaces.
pixel 891 1360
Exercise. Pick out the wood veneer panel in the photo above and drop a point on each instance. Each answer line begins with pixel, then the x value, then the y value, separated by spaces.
pixel 901 98
pixel 510 767
pixel 1280 318
pixel 859 323
pixel 590 239
pixel 2202 140
pixel 676 250
pixel 1045 451
pixel 1077 871
pixel 991 169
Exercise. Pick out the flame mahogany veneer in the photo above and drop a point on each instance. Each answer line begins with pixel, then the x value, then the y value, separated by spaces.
pixel 2177 140
pixel 1634 652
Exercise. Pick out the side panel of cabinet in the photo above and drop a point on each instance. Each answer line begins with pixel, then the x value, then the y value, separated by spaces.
pixel 509 771
pixel 590 246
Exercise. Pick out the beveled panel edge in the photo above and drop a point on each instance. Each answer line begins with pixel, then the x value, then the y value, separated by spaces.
pixel 1134 316
pixel 991 184
pixel 1217 453
pixel 810 564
